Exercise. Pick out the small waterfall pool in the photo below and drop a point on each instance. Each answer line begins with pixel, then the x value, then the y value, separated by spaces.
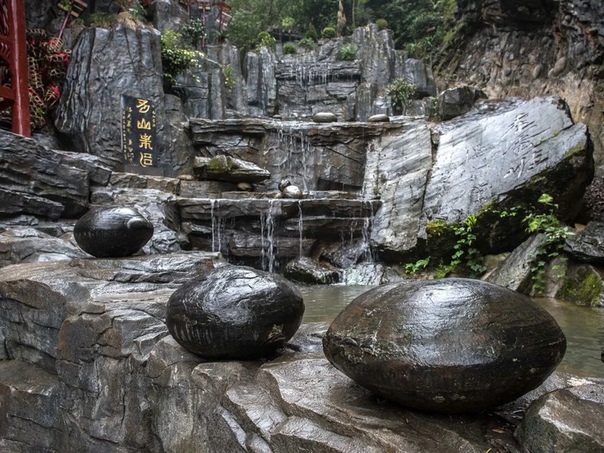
pixel 583 326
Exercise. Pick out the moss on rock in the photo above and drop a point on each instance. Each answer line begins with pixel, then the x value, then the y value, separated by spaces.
pixel 582 285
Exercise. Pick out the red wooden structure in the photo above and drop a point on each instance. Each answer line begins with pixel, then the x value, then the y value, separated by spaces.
pixel 13 53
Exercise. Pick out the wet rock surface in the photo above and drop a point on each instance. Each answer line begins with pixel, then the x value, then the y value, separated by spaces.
pixel 588 245
pixel 457 101
pixel 109 377
pixel 311 271
pixel 235 313
pixel 226 168
pixel 112 232
pixel 549 424
pixel 451 345
pixel 36 181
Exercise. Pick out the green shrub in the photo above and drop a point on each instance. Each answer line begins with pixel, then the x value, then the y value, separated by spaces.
pixel 176 58
pixel 347 52
pixel 401 91
pixel 289 49
pixel 555 235
pixel 266 40
pixel 382 24
pixel 287 23
pixel 311 34
pixel 328 33
pixel 229 79
pixel 194 32
pixel 307 43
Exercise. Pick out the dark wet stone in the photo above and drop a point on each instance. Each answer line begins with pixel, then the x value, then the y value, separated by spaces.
pixel 378 118
pixel 324 117
pixel 587 246
pixel 450 345
pixel 308 270
pixel 112 232
pixel 235 313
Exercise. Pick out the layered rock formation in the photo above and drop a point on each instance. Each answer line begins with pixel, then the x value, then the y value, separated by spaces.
pixel 511 48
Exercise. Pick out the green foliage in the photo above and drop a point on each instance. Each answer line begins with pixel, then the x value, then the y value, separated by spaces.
pixel 555 235
pixel 414 268
pixel 328 33
pixel 266 40
pixel 176 58
pixel 229 80
pixel 583 287
pixel 401 92
pixel 247 22
pixel 382 24
pixel 419 26
pixel 436 227
pixel 307 43
pixel 193 32
pixel 289 49
pixel 347 52
pixel 312 34
pixel 287 23
pixel 465 254
pixel 139 12
pixel 101 20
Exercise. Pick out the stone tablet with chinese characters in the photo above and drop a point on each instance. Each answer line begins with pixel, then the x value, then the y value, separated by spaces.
pixel 139 136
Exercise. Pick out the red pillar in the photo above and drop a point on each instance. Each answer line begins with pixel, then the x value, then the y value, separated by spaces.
pixel 13 48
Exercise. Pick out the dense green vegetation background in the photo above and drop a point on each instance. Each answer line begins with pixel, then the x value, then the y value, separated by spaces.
pixel 420 26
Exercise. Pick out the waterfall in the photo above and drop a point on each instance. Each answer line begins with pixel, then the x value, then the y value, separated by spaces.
pixel 308 69
pixel 366 235
pixel 298 148
pixel 267 231
pixel 300 227
pixel 217 226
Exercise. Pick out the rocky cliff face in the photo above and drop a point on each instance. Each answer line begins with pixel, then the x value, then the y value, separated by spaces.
pixel 513 48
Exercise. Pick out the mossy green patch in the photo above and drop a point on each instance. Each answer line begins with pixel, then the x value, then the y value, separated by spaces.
pixel 437 228
pixel 583 287
pixel 579 147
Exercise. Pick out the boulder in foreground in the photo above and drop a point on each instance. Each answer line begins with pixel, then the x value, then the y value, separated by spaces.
pixel 235 313
pixel 450 345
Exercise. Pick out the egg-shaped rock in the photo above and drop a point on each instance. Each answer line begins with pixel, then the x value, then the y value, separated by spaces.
pixel 449 345
pixel 112 232
pixel 235 312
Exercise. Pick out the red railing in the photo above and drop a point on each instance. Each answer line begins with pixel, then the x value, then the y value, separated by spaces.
pixel 13 80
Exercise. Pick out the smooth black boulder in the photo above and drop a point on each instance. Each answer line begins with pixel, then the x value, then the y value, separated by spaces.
pixel 449 345
pixel 235 312
pixel 112 232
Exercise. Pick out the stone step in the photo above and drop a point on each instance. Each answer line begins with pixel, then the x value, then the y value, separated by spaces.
pixel 204 209
pixel 29 407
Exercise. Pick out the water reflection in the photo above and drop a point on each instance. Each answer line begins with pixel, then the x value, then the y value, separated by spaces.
pixel 583 326
pixel 584 330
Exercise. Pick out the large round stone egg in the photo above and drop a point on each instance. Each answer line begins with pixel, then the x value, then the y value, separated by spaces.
pixel 112 232
pixel 449 345
pixel 235 312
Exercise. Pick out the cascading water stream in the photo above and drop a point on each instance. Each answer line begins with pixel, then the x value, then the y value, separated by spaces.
pixel 300 226
pixel 267 232
pixel 217 226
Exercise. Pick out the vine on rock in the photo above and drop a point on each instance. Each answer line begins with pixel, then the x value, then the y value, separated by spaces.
pixel 555 235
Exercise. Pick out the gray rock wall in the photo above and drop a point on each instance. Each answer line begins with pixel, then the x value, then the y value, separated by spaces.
pixel 530 49
pixel 500 154
pixel 106 64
